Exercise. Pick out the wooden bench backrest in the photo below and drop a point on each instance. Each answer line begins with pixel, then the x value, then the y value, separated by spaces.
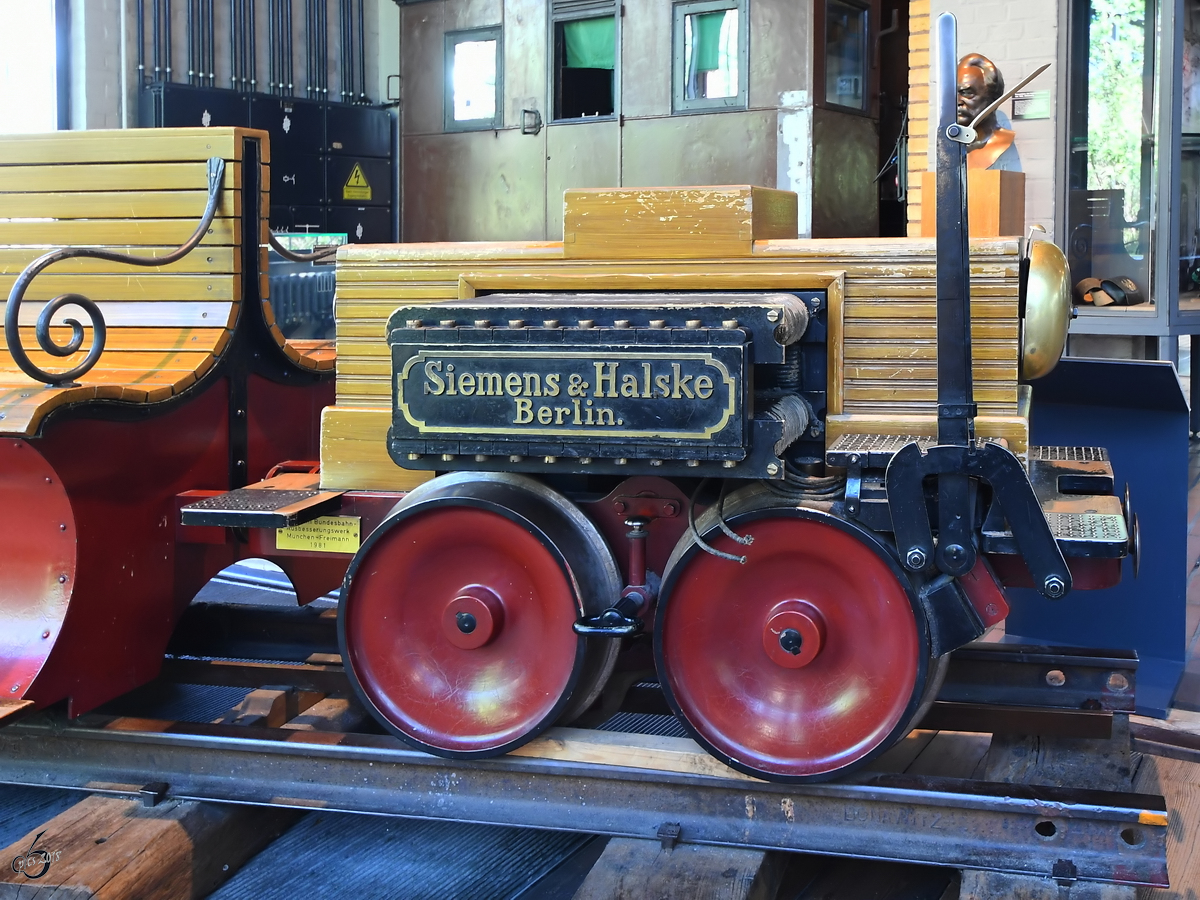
pixel 140 191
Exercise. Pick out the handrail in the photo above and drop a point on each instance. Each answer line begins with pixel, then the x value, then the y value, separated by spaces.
pixel 12 335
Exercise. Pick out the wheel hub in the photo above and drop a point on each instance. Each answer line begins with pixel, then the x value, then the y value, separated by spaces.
pixel 794 633
pixel 473 618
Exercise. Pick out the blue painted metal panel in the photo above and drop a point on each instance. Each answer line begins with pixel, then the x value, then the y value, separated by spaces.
pixel 1137 410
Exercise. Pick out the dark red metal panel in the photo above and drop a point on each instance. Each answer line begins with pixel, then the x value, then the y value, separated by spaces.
pixel 657 499
pixel 116 479
pixel 37 532
pixel 284 422
pixel 1087 573
pixel 121 477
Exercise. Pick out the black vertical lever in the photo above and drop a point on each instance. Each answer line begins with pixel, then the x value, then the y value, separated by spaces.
pixel 956 400
pixel 958 462
pixel 956 397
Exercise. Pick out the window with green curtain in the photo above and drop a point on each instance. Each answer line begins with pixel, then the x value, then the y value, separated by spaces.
pixel 707 40
pixel 591 43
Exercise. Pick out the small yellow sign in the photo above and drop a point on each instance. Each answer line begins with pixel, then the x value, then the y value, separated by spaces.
pixel 357 187
pixel 325 534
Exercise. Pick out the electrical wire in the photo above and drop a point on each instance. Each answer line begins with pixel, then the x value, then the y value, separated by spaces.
pixel 705 546
pixel 894 158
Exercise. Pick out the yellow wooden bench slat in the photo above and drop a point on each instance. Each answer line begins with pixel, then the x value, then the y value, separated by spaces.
pixel 128 145
pixel 24 405
pixel 144 338
pixel 209 261
pixel 184 176
pixel 116 232
pixel 323 353
pixel 118 204
pixel 136 377
pixel 131 313
pixel 174 362
pixel 135 339
pixel 145 285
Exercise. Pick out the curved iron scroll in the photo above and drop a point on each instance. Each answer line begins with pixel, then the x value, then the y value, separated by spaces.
pixel 216 176
pixel 323 253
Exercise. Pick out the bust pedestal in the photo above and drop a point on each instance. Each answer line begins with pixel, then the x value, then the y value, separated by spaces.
pixel 995 203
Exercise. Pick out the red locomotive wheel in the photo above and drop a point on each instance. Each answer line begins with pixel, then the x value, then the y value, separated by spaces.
pixel 803 662
pixel 456 623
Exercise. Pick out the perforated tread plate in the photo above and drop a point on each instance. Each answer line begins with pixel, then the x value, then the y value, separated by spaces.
pixel 254 507
pixel 1069 454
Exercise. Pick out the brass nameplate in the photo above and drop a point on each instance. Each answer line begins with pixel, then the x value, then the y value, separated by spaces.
pixel 530 391
pixel 325 534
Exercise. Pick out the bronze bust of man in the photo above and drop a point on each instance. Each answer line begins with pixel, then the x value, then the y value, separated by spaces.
pixel 980 84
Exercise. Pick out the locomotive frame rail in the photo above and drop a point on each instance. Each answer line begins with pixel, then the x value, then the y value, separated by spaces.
pixel 1067 835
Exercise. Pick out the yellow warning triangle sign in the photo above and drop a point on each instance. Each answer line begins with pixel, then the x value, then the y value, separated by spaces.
pixel 357 187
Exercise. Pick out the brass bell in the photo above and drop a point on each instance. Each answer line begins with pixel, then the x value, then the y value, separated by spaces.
pixel 1048 310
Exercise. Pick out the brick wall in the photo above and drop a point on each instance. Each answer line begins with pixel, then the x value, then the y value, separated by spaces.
pixel 918 107
pixel 1018 36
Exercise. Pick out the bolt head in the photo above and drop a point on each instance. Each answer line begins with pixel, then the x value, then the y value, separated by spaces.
pixel 772 469
pixel 465 621
pixel 953 131
pixel 1054 587
pixel 772 315
pixel 956 553
pixel 915 559
pixel 791 640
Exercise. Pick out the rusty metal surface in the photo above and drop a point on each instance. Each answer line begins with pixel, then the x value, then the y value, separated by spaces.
pixel 578 156
pixel 463 14
pixel 421 65
pixel 845 200
pixel 780 51
pixel 646 59
pixel 723 148
pixel 525 48
pixel 474 186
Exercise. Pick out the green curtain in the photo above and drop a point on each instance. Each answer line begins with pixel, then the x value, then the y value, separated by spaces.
pixel 706 40
pixel 591 43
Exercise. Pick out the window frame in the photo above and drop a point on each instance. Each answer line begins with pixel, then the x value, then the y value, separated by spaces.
pixel 680 105
pixel 871 85
pixel 451 40
pixel 577 14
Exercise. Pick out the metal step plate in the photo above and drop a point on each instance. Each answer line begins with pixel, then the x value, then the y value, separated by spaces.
pixel 280 502
pixel 874 451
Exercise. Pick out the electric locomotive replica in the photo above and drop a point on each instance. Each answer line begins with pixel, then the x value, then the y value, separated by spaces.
pixel 661 432
pixel 799 469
